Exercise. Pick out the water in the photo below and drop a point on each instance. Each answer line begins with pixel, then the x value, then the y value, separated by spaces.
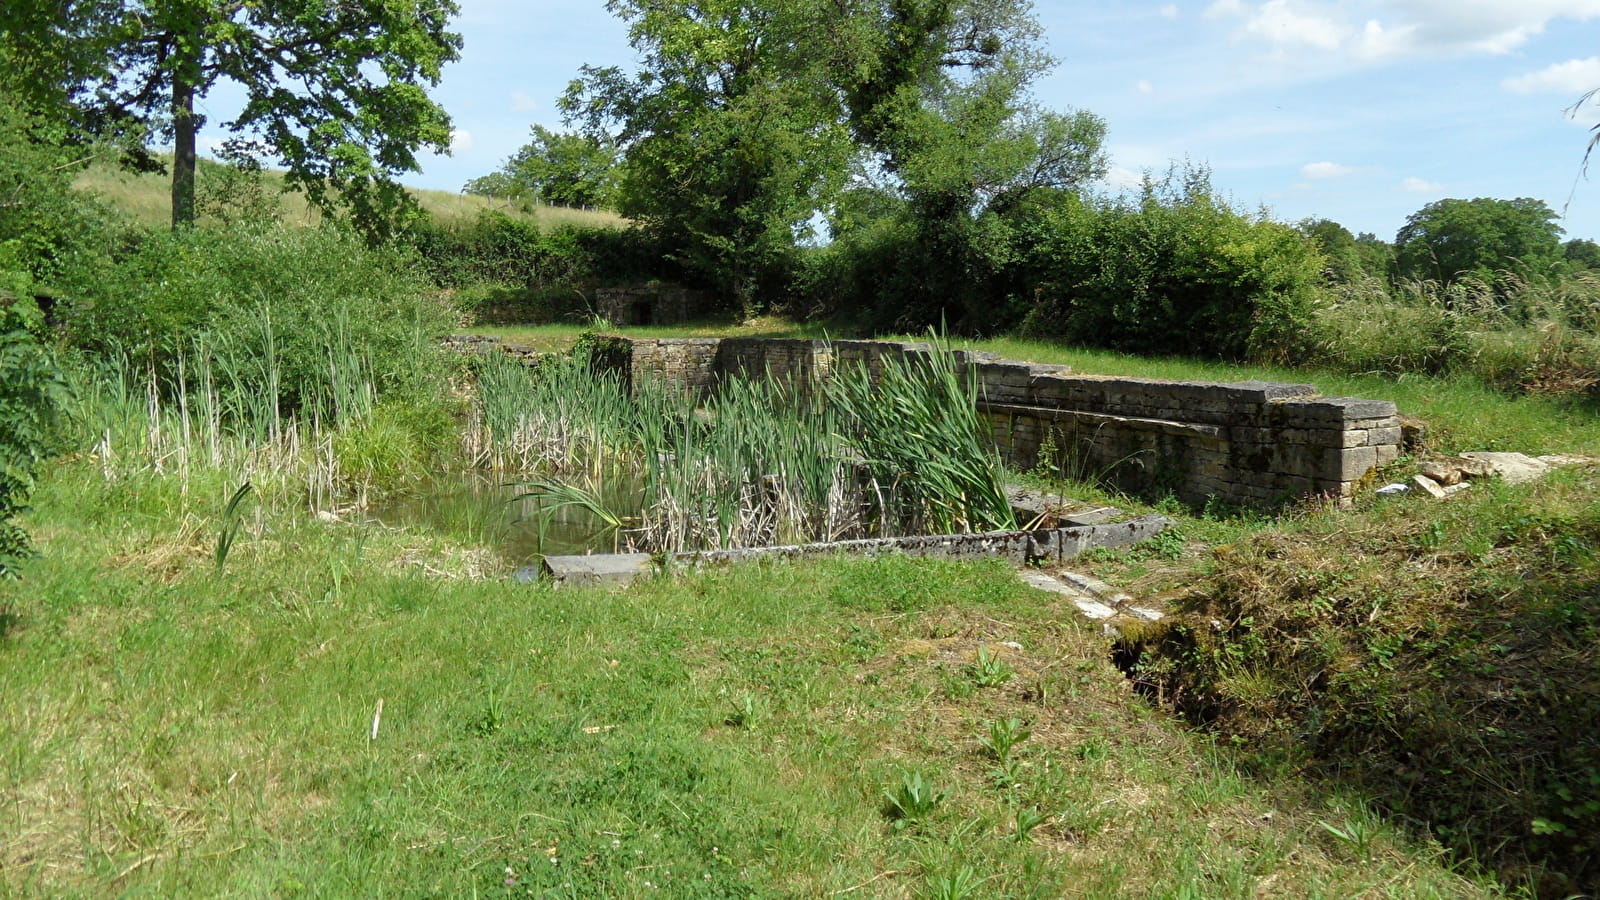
pixel 480 510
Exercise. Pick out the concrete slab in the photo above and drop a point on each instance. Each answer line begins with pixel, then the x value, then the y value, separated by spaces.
pixel 600 568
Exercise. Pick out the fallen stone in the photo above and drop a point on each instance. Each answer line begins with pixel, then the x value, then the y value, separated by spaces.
pixel 1513 468
pixel 1392 489
pixel 1433 488
pixel 1442 472
pixel 1086 604
pixel 600 568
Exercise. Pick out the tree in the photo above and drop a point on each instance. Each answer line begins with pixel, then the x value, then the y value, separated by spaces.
pixel 937 96
pixel 1351 258
pixel 563 168
pixel 1451 239
pixel 334 89
pixel 730 134
pixel 1581 254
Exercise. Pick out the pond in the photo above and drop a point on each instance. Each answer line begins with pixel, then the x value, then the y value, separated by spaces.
pixel 482 510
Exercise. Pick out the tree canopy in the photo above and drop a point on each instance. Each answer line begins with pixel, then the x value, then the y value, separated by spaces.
pixel 334 90
pixel 563 168
pixel 1449 239
pixel 750 118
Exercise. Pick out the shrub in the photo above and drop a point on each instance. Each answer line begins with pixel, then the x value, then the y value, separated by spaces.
pixel 30 389
pixel 1177 271
pixel 295 315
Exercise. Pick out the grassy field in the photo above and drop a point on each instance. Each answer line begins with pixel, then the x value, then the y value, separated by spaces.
pixel 146 199
pixel 345 709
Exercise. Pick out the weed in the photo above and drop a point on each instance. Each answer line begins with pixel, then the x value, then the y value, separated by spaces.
pixel 913 801
pixel 989 670
pixel 1027 818
pixel 960 884
pixel 231 523
pixel 1003 735
pixel 748 711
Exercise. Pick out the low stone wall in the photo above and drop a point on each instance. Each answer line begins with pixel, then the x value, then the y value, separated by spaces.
pixel 1047 546
pixel 1253 443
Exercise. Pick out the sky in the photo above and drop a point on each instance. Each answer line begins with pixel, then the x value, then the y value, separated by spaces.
pixel 1360 111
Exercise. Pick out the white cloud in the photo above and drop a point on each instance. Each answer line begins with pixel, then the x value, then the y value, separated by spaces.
pixel 1575 76
pixel 1281 22
pixel 521 102
pixel 1387 29
pixel 1325 170
pixel 1144 86
pixel 1122 178
pixel 1170 11
pixel 1415 185
pixel 460 140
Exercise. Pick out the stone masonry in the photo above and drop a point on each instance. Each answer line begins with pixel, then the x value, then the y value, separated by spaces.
pixel 1252 443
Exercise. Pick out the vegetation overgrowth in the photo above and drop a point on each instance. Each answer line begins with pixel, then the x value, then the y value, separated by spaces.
pixel 344 706
pixel 754 464
pixel 219 677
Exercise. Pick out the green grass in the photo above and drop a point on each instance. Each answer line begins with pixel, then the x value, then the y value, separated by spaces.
pixel 166 729
pixel 147 200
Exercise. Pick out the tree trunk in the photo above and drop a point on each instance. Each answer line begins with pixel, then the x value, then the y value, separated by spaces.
pixel 185 75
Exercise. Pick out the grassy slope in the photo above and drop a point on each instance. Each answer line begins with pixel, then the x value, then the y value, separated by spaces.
pixel 168 730
pixel 146 198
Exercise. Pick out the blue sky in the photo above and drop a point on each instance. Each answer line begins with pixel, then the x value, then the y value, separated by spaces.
pixel 1360 111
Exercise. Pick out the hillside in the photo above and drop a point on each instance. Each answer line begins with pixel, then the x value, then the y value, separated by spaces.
pixel 145 198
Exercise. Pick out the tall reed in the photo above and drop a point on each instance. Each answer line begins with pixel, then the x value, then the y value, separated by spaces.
pixel 760 462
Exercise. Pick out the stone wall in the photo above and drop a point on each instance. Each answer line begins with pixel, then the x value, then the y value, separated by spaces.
pixel 652 303
pixel 1254 443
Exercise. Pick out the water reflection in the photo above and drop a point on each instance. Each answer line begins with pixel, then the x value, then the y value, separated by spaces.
pixel 481 510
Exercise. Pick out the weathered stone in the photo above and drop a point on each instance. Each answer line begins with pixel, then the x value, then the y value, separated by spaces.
pixel 1442 472
pixel 1514 468
pixel 1428 485
pixel 599 568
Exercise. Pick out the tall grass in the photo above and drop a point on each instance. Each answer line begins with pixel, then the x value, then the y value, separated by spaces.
pixel 1520 333
pixel 760 462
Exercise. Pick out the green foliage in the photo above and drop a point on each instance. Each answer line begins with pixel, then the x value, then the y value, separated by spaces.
pixel 556 167
pixel 1451 239
pixel 31 389
pixel 729 133
pixel 354 119
pixel 913 801
pixel 274 309
pixel 1444 659
pixel 232 521
pixel 405 438
pixel 538 275
pixel 60 238
pixel 1350 259
pixel 989 670
pixel 1176 271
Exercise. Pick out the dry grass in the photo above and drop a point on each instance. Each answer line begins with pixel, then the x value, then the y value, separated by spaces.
pixel 146 199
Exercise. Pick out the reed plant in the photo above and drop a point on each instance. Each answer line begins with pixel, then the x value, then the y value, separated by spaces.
pixel 758 462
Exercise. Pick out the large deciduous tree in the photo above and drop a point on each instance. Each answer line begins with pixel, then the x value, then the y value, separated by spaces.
pixel 556 167
pixel 1450 239
pixel 334 89
pixel 748 118
pixel 731 136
